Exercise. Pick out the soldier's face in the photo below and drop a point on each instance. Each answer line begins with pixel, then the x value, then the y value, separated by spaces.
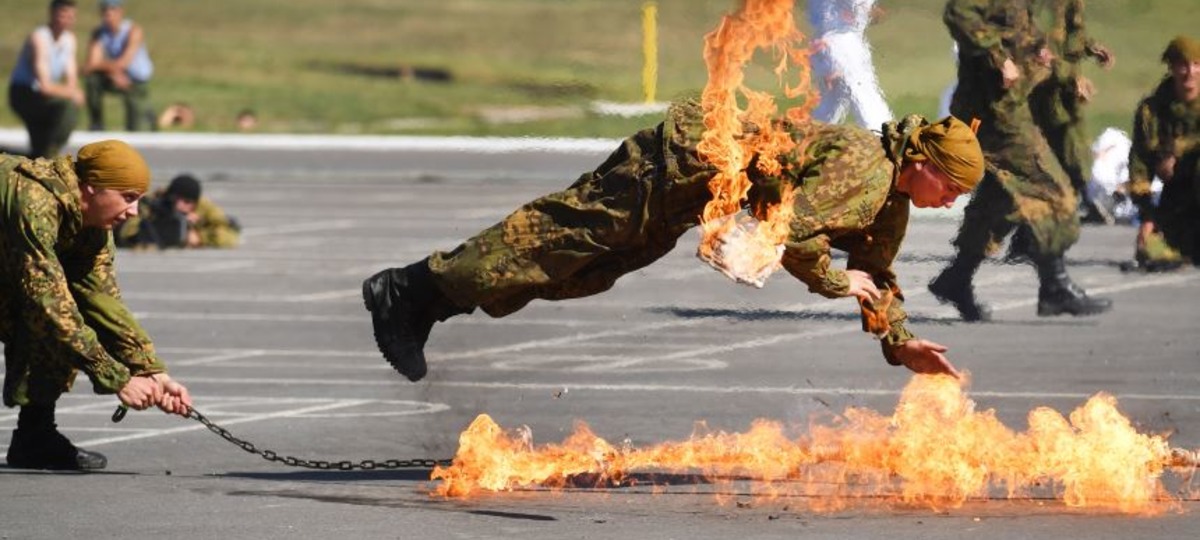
pixel 105 208
pixel 1187 79
pixel 928 186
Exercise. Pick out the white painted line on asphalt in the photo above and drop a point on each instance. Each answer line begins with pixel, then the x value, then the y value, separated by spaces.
pixel 1157 281
pixel 217 358
pixel 312 226
pixel 226 423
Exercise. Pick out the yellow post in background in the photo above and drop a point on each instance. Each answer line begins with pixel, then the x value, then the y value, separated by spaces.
pixel 650 50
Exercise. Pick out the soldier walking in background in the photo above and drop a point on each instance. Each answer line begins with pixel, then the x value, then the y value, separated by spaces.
pixel 1166 143
pixel 60 307
pixel 852 192
pixel 1000 56
pixel 1057 102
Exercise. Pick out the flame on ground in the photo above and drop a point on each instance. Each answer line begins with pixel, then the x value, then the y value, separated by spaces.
pixel 751 253
pixel 935 450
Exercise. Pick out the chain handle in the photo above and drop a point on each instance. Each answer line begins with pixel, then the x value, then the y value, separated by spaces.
pixel 291 461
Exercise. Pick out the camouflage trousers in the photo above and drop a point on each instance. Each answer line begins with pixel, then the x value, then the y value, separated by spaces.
pixel 624 215
pixel 1024 186
pixel 1177 217
pixel 1057 110
pixel 35 371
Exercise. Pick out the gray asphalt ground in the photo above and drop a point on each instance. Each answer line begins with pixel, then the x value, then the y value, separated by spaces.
pixel 274 343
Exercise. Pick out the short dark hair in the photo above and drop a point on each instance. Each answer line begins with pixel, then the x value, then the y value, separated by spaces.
pixel 184 186
pixel 56 5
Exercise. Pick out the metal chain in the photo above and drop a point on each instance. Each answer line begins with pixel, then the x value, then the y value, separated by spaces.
pixel 291 461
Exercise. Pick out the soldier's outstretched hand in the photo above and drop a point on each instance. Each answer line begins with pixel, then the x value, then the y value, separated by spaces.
pixel 924 356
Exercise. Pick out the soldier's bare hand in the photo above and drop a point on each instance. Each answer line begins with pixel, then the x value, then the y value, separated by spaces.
pixel 1009 73
pixel 862 286
pixel 1084 88
pixel 1046 57
pixel 140 393
pixel 1144 232
pixel 1104 56
pixel 175 397
pixel 926 357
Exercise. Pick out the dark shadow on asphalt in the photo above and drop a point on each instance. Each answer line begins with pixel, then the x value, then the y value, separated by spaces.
pixel 404 475
pixel 428 503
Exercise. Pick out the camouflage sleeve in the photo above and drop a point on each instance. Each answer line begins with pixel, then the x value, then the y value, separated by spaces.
pixel 99 300
pixel 1076 44
pixel 809 260
pixel 215 228
pixel 969 27
pixel 48 306
pixel 875 256
pixel 1143 156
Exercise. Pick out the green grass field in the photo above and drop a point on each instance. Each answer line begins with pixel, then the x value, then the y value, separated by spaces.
pixel 320 66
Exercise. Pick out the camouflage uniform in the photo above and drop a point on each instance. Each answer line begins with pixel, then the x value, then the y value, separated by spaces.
pixel 633 208
pixel 1025 185
pixel 1056 104
pixel 1163 127
pixel 60 304
pixel 216 229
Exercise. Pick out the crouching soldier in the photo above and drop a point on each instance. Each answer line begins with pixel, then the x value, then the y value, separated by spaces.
pixel 60 307
pixel 179 217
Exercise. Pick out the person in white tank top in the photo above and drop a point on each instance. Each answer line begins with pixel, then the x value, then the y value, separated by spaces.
pixel 43 89
pixel 118 62
pixel 841 63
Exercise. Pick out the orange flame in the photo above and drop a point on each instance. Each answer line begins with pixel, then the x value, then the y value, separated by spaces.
pixel 730 147
pixel 935 450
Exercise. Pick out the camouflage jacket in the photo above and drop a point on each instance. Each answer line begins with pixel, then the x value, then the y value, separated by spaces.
pixel 987 33
pixel 57 277
pixel 843 185
pixel 1163 127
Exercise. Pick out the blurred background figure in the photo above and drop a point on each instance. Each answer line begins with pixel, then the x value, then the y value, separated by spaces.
pixel 247 120
pixel 841 63
pixel 1166 144
pixel 1108 186
pixel 1058 101
pixel 118 62
pixel 179 217
pixel 177 115
pixel 44 88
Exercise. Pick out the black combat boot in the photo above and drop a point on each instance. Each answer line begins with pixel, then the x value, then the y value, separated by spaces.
pixel 953 286
pixel 1057 294
pixel 404 303
pixel 37 444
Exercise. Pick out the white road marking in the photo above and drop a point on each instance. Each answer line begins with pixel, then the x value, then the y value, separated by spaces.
pixel 226 423
pixel 217 358
pixel 310 226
